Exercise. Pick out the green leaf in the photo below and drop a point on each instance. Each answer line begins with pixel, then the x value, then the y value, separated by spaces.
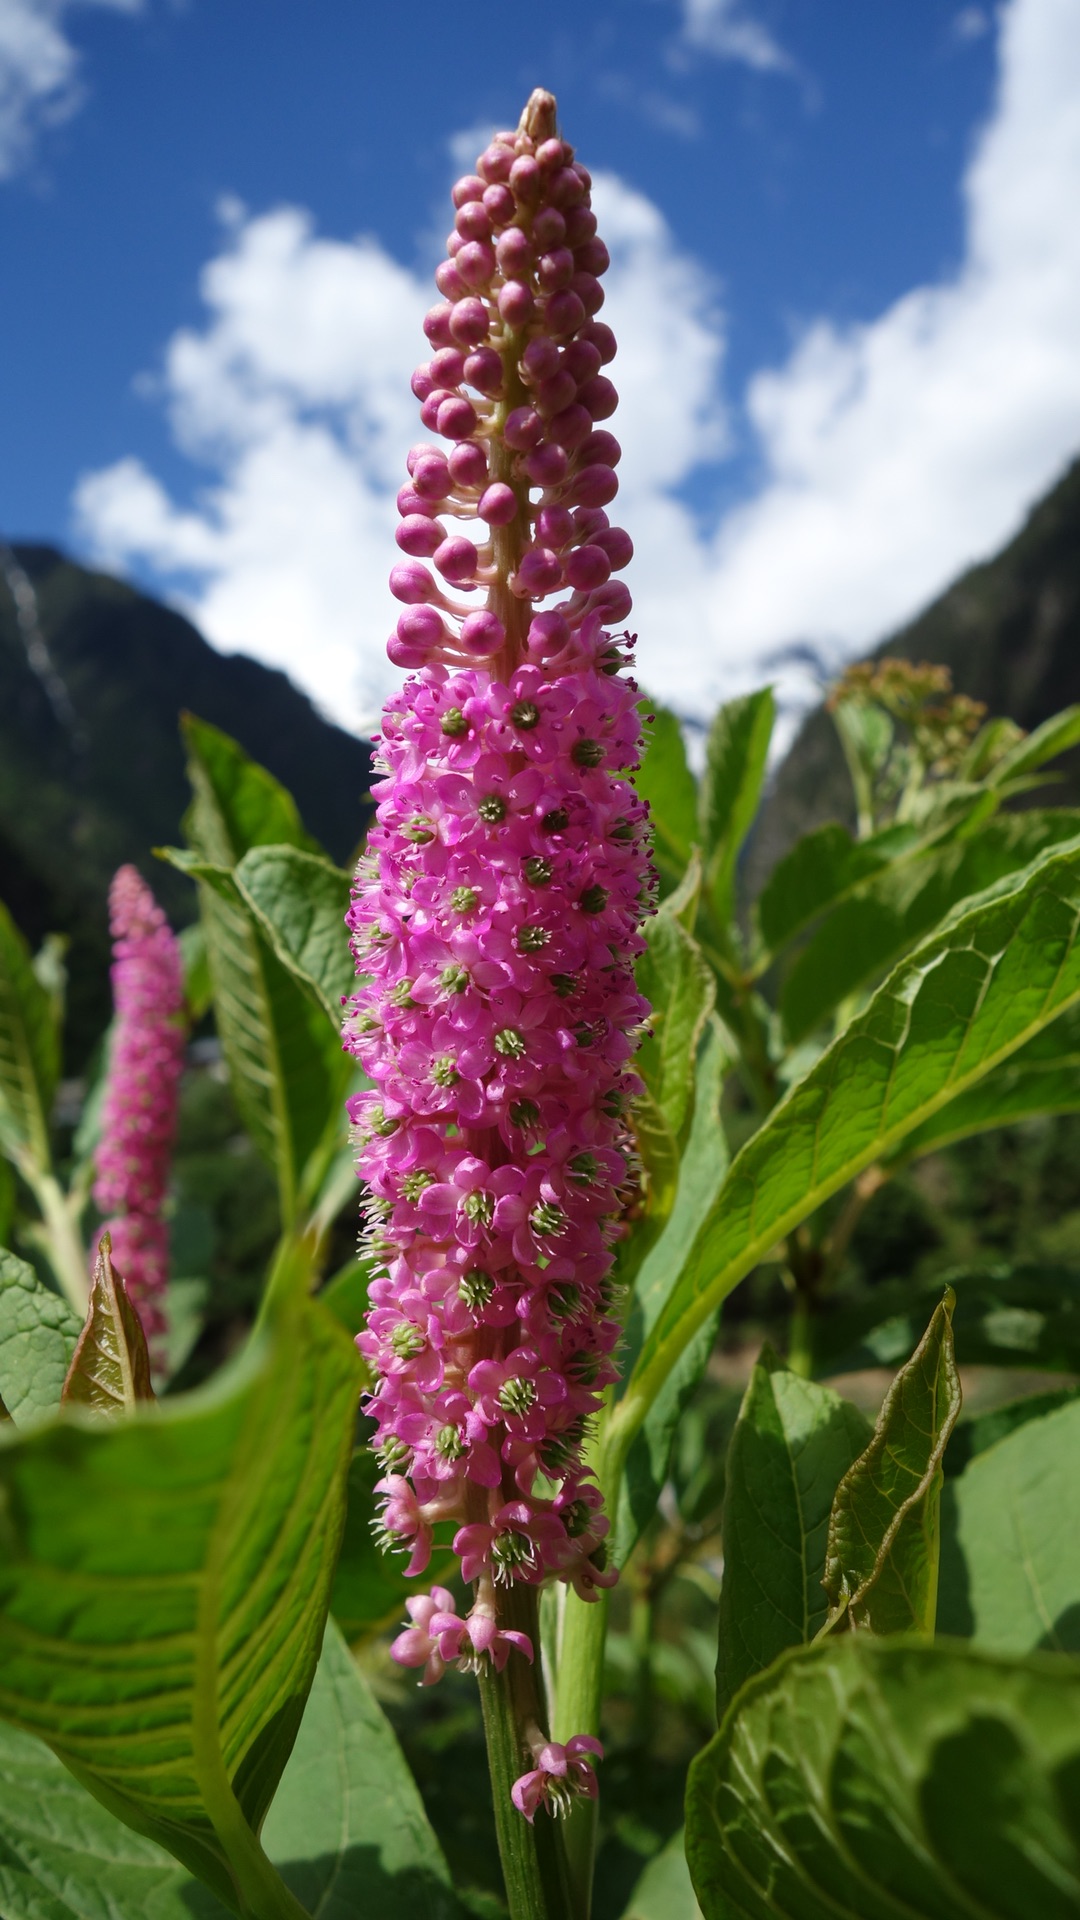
pixel 1023 1316
pixel 884 1546
pixel 63 1857
pixel 370 1587
pixel 820 868
pixel 664 1891
pixel 345 1294
pixel 198 986
pixel 678 983
pixel 299 901
pixel 735 761
pixel 50 968
pixel 954 1010
pixel 684 900
pixel 665 781
pixel 237 804
pixel 163 1586
pixel 1060 732
pixel 110 1367
pixel 793 1443
pixel 1010 1565
pixel 347 1829
pixel 700 1176
pixel 286 1066
pixel 864 1780
pixel 1043 1077
pixel 976 1433
pixel 873 925
pixel 38 1331
pixel 29 1051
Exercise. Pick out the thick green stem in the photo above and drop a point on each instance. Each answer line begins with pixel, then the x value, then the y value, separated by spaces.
pixel 261 1888
pixel 800 1356
pixel 533 1858
pixel 577 1710
pixel 61 1239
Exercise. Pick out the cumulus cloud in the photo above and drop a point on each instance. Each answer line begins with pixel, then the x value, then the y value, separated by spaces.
pixel 296 396
pixel 38 70
pixel 893 452
pixel 725 28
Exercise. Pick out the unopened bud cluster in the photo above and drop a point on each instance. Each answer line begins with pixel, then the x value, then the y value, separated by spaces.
pixel 496 914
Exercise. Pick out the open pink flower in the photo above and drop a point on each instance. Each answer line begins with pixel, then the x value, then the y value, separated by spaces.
pixel 562 1775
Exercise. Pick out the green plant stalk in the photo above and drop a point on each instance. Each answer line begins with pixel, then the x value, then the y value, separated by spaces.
pixel 533 1857
pixel 578 1695
pixel 262 1890
pixel 60 1238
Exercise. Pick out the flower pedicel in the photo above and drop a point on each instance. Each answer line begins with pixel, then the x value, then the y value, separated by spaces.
pixel 496 917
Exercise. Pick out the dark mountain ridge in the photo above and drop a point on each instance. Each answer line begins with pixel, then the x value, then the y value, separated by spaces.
pixel 91 762
pixel 1008 630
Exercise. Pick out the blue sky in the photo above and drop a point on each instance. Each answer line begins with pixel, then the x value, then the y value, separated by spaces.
pixel 823 219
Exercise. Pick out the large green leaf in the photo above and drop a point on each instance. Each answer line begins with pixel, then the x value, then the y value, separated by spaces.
pixel 163 1587
pixel 110 1367
pixel 735 760
pixel 29 1051
pixel 1061 731
pixel 1043 1077
pixel 872 1780
pixel 874 924
pixel 820 868
pixel 664 780
pixel 1010 1567
pixel 884 1546
pixel 963 1002
pixel 347 1830
pixel 38 1331
pixel 236 803
pixel 286 1066
pixel 678 983
pixel 664 1891
pixel 1023 1316
pixel 793 1443
pixel 63 1857
pixel 980 1431
pixel 299 901
pixel 700 1177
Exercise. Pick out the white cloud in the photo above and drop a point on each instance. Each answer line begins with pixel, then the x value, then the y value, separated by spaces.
pixel 726 29
pixel 970 23
pixel 297 395
pixel 38 70
pixel 893 452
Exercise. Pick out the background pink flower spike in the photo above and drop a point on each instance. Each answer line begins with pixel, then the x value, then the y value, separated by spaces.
pixel 496 911
pixel 138 1115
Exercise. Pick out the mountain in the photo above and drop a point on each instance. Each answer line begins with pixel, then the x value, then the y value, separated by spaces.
pixel 93 679
pixel 1008 629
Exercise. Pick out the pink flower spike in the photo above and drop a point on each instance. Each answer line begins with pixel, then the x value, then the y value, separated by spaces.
pixel 496 914
pixel 562 1775
pixel 138 1118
